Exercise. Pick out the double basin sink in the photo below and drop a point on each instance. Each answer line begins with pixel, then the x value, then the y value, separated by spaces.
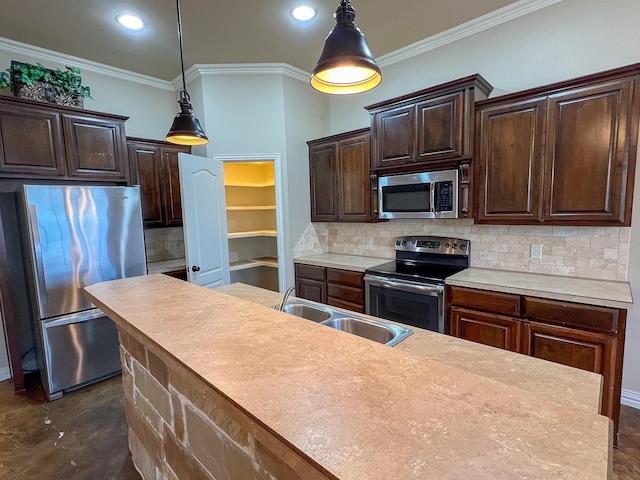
pixel 376 331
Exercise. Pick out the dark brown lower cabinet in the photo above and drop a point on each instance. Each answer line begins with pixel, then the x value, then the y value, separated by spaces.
pixel 332 286
pixel 587 337
pixel 179 274
pixel 486 328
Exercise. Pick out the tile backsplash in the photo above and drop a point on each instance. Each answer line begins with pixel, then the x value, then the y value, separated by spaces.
pixel 164 243
pixel 588 252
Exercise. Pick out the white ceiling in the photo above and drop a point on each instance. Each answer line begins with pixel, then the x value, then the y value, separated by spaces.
pixel 222 31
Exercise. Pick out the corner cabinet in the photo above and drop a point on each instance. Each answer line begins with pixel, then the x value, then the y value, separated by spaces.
pixel 432 128
pixel 561 154
pixel 47 141
pixel 339 175
pixel 154 166
pixel 583 336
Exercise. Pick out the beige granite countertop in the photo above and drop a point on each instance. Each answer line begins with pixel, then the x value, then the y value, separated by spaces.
pixel 166 266
pixel 604 293
pixel 577 387
pixel 360 409
pixel 355 263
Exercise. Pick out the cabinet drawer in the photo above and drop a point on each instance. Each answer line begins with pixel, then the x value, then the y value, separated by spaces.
pixel 343 292
pixel 311 272
pixel 572 314
pixel 345 277
pixel 496 302
pixel 336 302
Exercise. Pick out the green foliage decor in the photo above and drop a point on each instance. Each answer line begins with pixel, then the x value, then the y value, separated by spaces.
pixel 65 83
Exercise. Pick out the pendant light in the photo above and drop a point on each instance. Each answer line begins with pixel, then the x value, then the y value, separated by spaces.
pixel 346 64
pixel 186 129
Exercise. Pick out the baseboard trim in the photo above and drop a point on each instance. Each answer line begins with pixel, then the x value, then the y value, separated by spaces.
pixel 630 398
pixel 5 374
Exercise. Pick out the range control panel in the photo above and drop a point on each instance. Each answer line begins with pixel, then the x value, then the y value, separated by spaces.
pixel 441 245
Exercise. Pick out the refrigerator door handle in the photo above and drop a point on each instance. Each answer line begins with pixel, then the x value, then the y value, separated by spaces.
pixel 37 256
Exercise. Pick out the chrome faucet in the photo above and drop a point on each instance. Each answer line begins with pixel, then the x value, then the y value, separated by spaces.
pixel 283 302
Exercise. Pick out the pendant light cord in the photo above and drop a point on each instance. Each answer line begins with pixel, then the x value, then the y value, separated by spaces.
pixel 183 93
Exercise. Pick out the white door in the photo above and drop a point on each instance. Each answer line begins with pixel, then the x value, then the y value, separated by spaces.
pixel 204 220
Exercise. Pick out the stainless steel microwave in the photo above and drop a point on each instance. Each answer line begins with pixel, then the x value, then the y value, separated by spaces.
pixel 419 195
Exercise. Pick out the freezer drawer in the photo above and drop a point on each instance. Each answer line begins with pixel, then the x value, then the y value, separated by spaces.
pixel 77 350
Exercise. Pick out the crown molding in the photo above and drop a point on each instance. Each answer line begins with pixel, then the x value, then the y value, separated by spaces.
pixel 43 54
pixel 489 20
pixel 203 70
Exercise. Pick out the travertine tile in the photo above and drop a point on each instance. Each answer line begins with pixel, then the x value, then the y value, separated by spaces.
pixel 377 240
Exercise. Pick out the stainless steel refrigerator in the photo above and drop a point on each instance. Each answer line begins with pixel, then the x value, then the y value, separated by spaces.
pixel 75 236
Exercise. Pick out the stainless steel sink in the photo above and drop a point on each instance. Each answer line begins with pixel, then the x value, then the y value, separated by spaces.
pixel 377 331
pixel 305 311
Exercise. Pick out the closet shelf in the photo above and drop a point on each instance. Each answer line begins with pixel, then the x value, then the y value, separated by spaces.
pixel 245 184
pixel 250 207
pixel 254 233
pixel 254 262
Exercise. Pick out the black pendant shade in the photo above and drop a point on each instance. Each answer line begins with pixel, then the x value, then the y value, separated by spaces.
pixel 186 129
pixel 346 64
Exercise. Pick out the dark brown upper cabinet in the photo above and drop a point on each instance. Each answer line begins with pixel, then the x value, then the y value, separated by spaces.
pixel 559 155
pixel 47 141
pixel 432 128
pixel 154 166
pixel 339 175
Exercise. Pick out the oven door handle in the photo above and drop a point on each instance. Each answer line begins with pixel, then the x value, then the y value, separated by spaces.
pixel 404 285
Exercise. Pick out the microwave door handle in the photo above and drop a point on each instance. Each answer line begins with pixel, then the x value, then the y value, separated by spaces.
pixel 432 199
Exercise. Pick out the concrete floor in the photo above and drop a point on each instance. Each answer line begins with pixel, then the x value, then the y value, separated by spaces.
pixel 84 436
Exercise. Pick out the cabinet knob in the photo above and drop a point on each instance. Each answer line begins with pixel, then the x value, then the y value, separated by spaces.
pixel 195 268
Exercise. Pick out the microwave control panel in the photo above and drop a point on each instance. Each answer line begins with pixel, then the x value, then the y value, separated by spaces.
pixel 444 196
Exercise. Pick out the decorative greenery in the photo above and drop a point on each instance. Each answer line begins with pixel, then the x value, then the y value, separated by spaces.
pixel 67 82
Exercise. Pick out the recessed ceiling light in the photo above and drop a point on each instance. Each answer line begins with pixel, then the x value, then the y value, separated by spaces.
pixel 303 13
pixel 130 21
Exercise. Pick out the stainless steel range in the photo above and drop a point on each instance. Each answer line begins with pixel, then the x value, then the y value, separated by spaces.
pixel 411 289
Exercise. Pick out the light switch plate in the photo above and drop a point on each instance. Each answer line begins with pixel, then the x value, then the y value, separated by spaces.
pixel 536 251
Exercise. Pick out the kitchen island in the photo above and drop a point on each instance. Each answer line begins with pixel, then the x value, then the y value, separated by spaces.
pixel 220 387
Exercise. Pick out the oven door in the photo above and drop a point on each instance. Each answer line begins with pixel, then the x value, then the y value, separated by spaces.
pixel 411 303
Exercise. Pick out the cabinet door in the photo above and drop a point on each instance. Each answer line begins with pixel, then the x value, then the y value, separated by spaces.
pixel 145 171
pixel 587 155
pixel 171 174
pixel 96 148
pixel 509 162
pixel 354 194
pixel 314 290
pixel 322 170
pixel 395 137
pixel 439 127
pixel 486 328
pixel 594 352
pixel 30 142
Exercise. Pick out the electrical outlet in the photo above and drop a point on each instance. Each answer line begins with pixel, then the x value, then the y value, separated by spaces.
pixel 536 251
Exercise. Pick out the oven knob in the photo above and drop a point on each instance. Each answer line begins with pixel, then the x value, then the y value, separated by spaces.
pixel 404 243
pixel 455 245
pixel 447 245
pixel 463 247
pixel 397 242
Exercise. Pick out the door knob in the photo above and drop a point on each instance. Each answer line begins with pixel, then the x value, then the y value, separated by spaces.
pixel 195 268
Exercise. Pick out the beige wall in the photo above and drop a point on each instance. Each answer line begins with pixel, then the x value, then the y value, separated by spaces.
pixel 266 114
